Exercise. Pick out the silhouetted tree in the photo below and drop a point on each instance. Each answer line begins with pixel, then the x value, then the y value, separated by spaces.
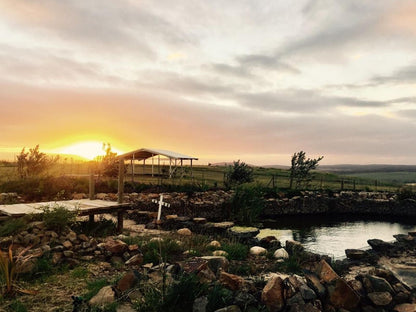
pixel 300 169
pixel 33 162
pixel 109 162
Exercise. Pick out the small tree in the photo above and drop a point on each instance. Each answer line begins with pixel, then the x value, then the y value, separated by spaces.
pixel 109 162
pixel 238 173
pixel 300 169
pixel 34 162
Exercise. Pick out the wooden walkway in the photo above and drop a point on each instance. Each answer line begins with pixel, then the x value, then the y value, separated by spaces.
pixel 84 207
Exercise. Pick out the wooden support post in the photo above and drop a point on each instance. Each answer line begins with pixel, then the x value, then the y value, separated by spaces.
pixel 120 215
pixel 120 180
pixel 91 218
pixel 132 170
pixel 353 184
pixel 342 184
pixel 322 182
pixel 91 187
pixel 192 171
pixel 152 165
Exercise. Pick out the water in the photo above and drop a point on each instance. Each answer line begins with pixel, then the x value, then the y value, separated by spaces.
pixel 332 235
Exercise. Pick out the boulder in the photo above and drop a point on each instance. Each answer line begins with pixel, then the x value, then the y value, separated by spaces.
pixel 200 304
pixel 380 298
pixel 184 232
pixel 270 242
pixel 217 263
pixel 258 251
pixel 341 295
pixel 293 247
pixel 376 284
pixel 105 296
pixel 281 253
pixel 325 272
pixel 380 245
pixel 242 232
pixel 231 281
pixel 272 294
pixel 307 293
pixel 314 283
pixel 215 244
pixel 115 246
pixel 127 281
pixel 405 307
pixel 356 254
pixel 220 253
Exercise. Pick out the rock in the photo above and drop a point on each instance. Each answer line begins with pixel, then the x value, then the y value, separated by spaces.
pixel 200 304
pixel 57 257
pixel 67 244
pixel 171 217
pixel 313 282
pixel 135 260
pixel 257 251
pixel 356 254
pixel 244 299
pixel 272 294
pixel 125 307
pixel 206 275
pixel 231 281
pixel 341 295
pixel 307 293
pixel 115 246
pixel 231 308
pixel 68 253
pixel 281 253
pixel 200 220
pixel 127 281
pixel 269 242
pixel 405 307
pixel 72 236
pixel 380 298
pixel 83 237
pixel 295 300
pixel 221 253
pixel 376 284
pixel 184 232
pixel 380 245
pixel 217 264
pixel 293 247
pixel 105 296
pixel 308 307
pixel 243 232
pixel 325 272
pixel 215 244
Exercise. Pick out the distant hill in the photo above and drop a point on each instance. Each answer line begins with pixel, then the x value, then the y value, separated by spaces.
pixel 348 168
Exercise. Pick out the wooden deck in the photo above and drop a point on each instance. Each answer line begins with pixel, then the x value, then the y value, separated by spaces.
pixel 84 207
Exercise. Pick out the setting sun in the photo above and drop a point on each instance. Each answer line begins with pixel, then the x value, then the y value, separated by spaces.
pixel 88 149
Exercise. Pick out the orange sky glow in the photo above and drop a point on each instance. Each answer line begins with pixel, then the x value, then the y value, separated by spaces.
pixel 218 80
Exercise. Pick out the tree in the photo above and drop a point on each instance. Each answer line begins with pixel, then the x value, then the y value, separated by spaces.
pixel 109 162
pixel 34 162
pixel 300 169
pixel 238 173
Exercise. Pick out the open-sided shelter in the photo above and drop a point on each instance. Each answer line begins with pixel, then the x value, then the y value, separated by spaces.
pixel 176 160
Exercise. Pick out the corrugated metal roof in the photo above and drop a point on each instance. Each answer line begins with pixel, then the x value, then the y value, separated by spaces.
pixel 145 153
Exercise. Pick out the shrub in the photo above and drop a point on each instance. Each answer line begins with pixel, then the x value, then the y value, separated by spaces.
pixel 11 226
pixel 58 217
pixel 247 204
pixel 161 251
pixel 238 173
pixel 102 228
pixel 236 251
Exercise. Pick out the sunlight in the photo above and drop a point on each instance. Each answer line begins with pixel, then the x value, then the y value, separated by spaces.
pixel 87 149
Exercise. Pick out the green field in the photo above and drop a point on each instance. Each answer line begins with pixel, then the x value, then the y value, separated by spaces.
pixel 213 176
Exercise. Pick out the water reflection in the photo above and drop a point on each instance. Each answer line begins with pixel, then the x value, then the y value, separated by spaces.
pixel 332 235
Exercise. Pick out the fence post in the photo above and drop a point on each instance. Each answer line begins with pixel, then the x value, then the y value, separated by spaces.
pixel 353 184
pixel 321 184
pixel 342 184
pixel 91 186
pixel 375 184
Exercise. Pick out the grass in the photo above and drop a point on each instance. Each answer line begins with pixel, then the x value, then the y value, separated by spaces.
pixel 12 226
pixel 235 250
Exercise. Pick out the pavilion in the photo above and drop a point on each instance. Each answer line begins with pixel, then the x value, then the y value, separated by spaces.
pixel 176 160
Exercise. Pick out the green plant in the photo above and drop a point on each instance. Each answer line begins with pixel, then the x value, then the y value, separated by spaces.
pixel 79 272
pixel 93 287
pixel 247 204
pixel 238 173
pixel 218 297
pixel 34 162
pixel 300 169
pixel 17 306
pixel 58 217
pixel 11 226
pixel 102 228
pixel 235 251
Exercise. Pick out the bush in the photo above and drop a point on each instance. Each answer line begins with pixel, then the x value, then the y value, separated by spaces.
pixel 58 218
pixel 238 173
pixel 236 251
pixel 12 226
pixel 247 204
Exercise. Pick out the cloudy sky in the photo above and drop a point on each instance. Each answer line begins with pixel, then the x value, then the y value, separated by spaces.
pixel 219 80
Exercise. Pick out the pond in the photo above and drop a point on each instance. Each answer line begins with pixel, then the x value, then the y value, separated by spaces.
pixel 331 235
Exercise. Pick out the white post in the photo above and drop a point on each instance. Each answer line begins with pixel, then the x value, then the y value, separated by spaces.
pixel 159 212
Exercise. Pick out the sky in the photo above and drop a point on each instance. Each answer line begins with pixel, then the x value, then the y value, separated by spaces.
pixel 219 80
